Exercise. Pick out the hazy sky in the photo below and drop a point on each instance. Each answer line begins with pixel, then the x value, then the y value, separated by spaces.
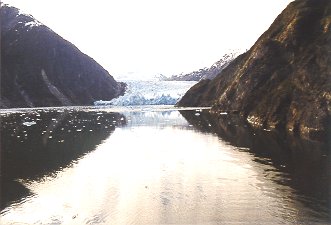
pixel 155 36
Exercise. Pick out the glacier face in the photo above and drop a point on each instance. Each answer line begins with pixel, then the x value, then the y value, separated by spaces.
pixel 151 92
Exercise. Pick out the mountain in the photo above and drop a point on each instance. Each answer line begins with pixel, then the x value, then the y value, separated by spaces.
pixel 205 73
pixel 284 80
pixel 40 68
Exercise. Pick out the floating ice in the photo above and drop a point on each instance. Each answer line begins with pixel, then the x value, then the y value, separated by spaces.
pixel 29 123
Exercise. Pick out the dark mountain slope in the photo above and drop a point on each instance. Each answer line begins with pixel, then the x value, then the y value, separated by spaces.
pixel 39 68
pixel 284 79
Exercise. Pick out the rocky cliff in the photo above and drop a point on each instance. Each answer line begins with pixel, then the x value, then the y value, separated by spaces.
pixel 284 80
pixel 40 68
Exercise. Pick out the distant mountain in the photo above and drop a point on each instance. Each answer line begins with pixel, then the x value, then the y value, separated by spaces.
pixel 40 68
pixel 284 80
pixel 205 73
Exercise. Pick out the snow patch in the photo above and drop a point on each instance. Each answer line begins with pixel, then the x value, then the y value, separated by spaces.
pixel 20 12
pixel 34 23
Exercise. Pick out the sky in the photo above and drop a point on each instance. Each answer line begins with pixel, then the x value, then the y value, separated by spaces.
pixel 149 37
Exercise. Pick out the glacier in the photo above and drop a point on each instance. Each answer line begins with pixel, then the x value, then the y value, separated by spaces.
pixel 150 92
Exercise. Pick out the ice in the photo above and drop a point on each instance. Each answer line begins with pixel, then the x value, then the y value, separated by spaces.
pixel 29 123
pixel 150 92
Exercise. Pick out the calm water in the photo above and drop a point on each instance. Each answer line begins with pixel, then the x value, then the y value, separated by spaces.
pixel 156 166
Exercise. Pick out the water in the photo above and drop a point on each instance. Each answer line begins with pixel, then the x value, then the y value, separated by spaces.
pixel 156 165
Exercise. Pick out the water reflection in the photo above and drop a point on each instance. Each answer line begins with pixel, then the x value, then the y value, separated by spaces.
pixel 159 168
pixel 35 143
pixel 301 168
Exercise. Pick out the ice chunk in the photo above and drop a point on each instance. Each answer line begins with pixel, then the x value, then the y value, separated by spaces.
pixel 29 123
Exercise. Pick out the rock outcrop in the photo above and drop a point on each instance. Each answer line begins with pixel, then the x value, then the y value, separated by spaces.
pixel 39 68
pixel 284 80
